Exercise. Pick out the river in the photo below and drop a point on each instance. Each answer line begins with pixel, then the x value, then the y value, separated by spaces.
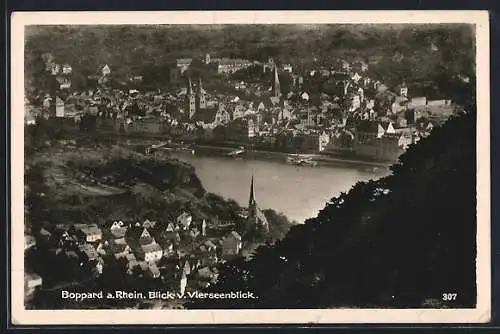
pixel 298 192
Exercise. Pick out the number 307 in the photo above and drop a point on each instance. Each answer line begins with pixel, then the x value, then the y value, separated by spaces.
pixel 449 296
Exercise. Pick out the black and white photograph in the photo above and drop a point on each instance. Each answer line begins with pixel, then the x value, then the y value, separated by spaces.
pixel 248 167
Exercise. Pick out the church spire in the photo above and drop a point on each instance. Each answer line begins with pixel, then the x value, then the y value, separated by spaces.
pixel 189 87
pixel 251 201
pixel 276 87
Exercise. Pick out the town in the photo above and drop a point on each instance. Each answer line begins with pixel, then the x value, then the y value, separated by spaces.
pixel 334 109
pixel 181 255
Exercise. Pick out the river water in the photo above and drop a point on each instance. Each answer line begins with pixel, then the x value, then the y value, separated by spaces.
pixel 298 192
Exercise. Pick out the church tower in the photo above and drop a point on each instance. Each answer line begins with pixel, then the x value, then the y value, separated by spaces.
pixel 202 98
pixel 190 100
pixel 276 83
pixel 251 201
pixel 256 218
pixel 404 89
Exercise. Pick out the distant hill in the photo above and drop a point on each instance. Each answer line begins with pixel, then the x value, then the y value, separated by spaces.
pixel 133 49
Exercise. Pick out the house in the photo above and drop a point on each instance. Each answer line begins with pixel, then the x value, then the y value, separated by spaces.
pixel 105 70
pixel 186 269
pixel 417 102
pixel 116 224
pixel 64 82
pixel 307 119
pixel 184 63
pixel 136 78
pixel 171 227
pixel 89 233
pixel 173 236
pixel 88 252
pixel 29 241
pixel 390 129
pixel 228 65
pixel 238 112
pixel 184 220
pixel 146 238
pixel 118 234
pixel 153 270
pixel 148 224
pixel 400 103
pixel 59 107
pixel 356 77
pixel 67 69
pixel 120 250
pixel 324 139
pixel 31 283
pixel 222 116
pixel 210 246
pixel 275 100
pixel 183 284
pixel 131 262
pixel 205 274
pixel 231 244
pixel 99 266
pixel 345 65
pixel 101 248
pixel 194 262
pixel 194 233
pixel 167 247
pixel 411 116
pixel 55 69
pixel 360 66
pixel 150 252
pixel 354 101
pixel 288 68
pixel 405 137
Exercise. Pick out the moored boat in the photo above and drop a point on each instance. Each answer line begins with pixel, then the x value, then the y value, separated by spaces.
pixel 301 160
pixel 237 153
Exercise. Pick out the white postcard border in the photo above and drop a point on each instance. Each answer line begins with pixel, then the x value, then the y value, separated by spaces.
pixel 21 316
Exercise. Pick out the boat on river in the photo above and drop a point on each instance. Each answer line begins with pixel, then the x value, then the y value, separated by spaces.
pixel 169 146
pixel 237 153
pixel 301 160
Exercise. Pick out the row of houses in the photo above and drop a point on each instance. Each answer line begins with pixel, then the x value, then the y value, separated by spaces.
pixel 141 249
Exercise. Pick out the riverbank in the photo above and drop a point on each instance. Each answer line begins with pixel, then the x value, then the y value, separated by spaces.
pixel 219 149
pixel 322 159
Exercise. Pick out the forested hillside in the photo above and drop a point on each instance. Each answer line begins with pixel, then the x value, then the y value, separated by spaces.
pixel 132 50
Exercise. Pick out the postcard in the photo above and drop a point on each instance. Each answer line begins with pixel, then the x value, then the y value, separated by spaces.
pixel 237 167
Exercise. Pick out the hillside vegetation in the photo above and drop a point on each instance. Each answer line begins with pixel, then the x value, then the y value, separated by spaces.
pixel 133 50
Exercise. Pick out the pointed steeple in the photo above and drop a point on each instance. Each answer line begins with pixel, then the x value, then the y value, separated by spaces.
pixel 251 201
pixel 190 86
pixel 276 87
pixel 190 99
